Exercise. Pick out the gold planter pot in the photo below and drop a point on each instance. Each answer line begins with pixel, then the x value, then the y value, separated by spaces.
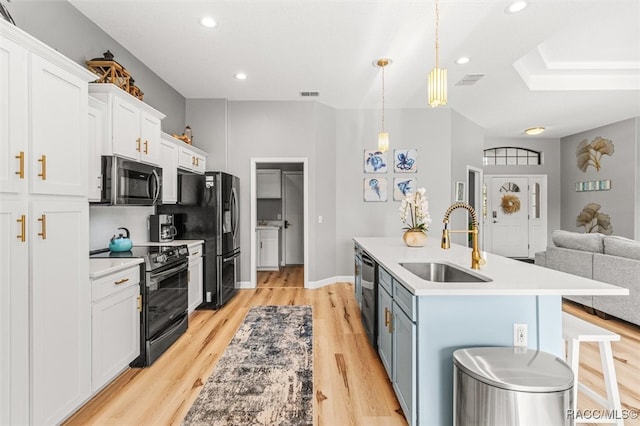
pixel 414 238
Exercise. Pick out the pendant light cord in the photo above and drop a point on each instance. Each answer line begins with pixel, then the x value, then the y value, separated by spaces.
pixel 437 33
pixel 382 99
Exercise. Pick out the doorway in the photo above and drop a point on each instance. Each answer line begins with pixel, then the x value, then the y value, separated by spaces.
pixel 279 206
pixel 515 218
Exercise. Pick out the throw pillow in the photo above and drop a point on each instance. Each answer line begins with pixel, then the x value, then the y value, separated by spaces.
pixel 623 247
pixel 573 240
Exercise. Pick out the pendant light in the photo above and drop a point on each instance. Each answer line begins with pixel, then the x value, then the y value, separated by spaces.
pixel 383 137
pixel 437 76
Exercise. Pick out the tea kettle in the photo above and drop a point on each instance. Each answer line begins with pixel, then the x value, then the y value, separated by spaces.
pixel 121 242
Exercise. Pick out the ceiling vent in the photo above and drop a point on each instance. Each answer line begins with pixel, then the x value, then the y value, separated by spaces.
pixel 470 79
pixel 309 93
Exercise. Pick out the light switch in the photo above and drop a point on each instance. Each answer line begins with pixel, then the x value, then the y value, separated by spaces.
pixel 320 220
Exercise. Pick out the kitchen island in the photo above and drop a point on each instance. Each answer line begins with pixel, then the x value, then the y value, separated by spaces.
pixel 421 323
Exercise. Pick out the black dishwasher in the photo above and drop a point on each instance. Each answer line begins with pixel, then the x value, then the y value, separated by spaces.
pixel 369 298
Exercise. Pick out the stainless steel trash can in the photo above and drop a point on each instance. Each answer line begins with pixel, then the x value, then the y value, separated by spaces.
pixel 505 386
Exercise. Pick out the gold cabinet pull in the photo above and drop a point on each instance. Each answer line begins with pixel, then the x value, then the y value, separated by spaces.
pixel 390 322
pixel 138 141
pixel 193 160
pixel 146 147
pixel 124 280
pixel 197 161
pixel 43 167
pixel 386 317
pixel 43 220
pixel 23 228
pixel 195 253
pixel 20 158
pixel 139 303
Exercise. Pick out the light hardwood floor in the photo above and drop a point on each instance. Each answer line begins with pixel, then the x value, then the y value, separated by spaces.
pixel 350 385
pixel 286 276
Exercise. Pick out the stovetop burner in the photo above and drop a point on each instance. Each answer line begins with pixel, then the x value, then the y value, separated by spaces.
pixel 154 256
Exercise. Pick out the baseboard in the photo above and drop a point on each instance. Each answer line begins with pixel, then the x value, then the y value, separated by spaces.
pixel 243 284
pixel 331 280
pixel 312 284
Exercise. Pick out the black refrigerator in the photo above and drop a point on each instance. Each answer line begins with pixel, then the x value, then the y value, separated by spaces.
pixel 208 209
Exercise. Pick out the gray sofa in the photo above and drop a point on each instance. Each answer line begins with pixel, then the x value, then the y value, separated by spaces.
pixel 610 259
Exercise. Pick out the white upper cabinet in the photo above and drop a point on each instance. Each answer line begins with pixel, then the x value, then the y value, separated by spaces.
pixel 133 127
pixel 43 126
pixel 13 117
pixel 269 183
pixel 58 148
pixel 95 140
pixel 191 158
pixel 169 164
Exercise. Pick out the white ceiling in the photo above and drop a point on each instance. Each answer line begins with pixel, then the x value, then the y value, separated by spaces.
pixel 568 65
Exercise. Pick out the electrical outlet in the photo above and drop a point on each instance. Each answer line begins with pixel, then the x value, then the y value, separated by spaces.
pixel 520 335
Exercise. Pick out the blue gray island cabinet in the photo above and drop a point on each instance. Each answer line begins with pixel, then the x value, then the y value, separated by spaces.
pixel 421 323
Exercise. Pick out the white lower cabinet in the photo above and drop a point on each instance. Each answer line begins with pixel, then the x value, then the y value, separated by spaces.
pixel 60 308
pixel 268 249
pixel 195 280
pixel 14 314
pixel 397 340
pixel 115 312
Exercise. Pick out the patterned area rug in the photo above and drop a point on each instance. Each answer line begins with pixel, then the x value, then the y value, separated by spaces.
pixel 265 376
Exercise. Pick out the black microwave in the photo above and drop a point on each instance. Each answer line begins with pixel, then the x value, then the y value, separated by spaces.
pixel 127 182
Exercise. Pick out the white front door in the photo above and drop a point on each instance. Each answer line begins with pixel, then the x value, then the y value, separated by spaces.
pixel 508 215
pixel 293 218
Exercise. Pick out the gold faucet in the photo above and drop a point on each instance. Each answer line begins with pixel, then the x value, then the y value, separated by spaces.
pixel 476 259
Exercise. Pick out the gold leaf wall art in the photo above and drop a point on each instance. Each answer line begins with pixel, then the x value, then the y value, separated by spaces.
pixel 593 220
pixel 590 153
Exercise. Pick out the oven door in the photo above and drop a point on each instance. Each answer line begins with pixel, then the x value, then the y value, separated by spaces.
pixel 166 297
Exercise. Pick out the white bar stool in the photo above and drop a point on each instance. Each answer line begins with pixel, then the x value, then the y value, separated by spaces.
pixel 576 330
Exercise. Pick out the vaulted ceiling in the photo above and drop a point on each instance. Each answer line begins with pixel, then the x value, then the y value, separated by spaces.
pixel 568 65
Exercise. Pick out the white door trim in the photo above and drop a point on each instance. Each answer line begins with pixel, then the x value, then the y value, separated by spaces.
pixel 542 222
pixel 254 212
pixel 478 197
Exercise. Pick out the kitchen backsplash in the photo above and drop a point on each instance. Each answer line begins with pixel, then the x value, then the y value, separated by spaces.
pixel 105 220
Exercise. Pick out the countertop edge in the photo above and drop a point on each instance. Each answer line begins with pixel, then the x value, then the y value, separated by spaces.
pixel 510 277
pixel 99 268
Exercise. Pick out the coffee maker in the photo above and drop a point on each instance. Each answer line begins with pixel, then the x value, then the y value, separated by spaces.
pixel 161 228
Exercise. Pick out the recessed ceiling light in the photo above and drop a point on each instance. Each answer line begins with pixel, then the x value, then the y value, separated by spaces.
pixel 208 22
pixel 462 60
pixel 241 76
pixel 515 7
pixel 534 130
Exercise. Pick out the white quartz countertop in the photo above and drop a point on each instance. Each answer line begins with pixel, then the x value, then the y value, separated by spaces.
pixel 169 243
pixel 98 268
pixel 509 276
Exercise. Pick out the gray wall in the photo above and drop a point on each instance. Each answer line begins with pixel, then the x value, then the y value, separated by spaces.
pixel 322 194
pixel 61 26
pixel 550 148
pixel 622 168
pixel 427 130
pixel 467 141
pixel 288 130
pixel 208 121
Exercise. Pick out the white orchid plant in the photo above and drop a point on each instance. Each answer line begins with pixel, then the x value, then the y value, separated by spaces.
pixel 414 211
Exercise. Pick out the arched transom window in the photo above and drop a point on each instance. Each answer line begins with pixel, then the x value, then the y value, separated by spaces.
pixel 511 156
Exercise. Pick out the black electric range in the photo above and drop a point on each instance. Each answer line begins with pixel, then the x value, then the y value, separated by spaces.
pixel 155 257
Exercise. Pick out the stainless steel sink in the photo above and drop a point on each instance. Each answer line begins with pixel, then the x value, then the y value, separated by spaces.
pixel 442 272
